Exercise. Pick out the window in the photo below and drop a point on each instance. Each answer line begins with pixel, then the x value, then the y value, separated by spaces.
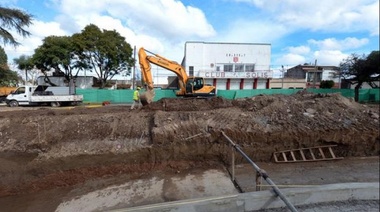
pixel 310 77
pixel 217 68
pixel 239 68
pixel 191 70
pixel 198 83
pixel 20 90
pixel 249 67
pixel 228 68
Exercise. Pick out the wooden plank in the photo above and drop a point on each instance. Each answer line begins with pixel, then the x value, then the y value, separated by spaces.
pixel 292 153
pixel 321 151
pixel 312 154
pixel 332 152
pixel 284 155
pixel 275 157
pixel 302 155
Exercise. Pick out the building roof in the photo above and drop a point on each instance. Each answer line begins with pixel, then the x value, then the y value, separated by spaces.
pixel 311 68
pixel 227 43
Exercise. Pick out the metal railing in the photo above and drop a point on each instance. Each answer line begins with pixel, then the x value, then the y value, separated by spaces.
pixel 259 172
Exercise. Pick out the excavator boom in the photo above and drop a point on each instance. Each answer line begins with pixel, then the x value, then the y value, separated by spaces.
pixel 189 86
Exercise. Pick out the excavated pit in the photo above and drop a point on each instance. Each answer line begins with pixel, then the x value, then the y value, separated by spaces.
pixel 46 148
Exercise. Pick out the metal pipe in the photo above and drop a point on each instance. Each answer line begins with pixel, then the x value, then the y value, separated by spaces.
pixel 233 164
pixel 263 174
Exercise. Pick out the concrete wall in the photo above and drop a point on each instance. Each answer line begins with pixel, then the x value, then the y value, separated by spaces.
pixel 266 199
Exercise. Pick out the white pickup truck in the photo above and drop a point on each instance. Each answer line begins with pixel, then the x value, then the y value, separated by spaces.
pixel 43 95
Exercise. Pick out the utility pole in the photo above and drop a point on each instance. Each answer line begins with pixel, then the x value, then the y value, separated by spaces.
pixel 282 81
pixel 134 68
pixel 315 73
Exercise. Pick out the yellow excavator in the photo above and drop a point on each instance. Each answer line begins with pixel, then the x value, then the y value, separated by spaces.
pixel 188 86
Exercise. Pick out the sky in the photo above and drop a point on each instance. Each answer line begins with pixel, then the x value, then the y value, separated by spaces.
pixel 303 31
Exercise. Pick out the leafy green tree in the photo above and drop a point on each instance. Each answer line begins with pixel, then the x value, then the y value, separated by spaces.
pixel 24 63
pixel 7 76
pixel 103 51
pixel 360 69
pixel 56 54
pixel 13 19
pixel 327 84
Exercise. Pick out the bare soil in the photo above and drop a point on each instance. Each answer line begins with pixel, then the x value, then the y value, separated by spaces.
pixel 43 149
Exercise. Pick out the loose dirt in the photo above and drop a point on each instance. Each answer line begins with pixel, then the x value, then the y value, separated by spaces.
pixel 42 149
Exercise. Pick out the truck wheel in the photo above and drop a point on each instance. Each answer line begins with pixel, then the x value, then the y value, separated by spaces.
pixel 13 103
pixel 55 104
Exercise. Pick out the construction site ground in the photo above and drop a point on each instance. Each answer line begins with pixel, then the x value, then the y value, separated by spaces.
pixel 96 158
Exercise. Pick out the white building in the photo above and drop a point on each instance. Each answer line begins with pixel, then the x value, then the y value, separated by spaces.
pixel 229 66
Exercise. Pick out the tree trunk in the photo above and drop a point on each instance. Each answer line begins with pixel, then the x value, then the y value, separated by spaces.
pixel 357 87
pixel 102 83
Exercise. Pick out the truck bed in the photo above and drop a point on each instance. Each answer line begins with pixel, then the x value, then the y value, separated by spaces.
pixel 57 98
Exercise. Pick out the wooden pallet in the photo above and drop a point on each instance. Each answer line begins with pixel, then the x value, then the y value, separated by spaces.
pixel 318 153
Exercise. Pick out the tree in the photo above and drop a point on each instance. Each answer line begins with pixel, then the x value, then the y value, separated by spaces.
pixel 103 51
pixel 7 77
pixel 13 19
pixel 360 69
pixel 57 54
pixel 24 63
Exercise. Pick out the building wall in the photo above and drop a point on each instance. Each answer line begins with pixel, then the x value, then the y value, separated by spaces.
pixel 248 84
pixel 287 83
pixel 296 73
pixel 233 61
pixel 262 84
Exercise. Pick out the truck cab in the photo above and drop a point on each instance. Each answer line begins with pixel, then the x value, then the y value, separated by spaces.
pixel 21 96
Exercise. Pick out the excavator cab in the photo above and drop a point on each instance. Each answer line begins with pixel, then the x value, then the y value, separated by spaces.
pixel 193 84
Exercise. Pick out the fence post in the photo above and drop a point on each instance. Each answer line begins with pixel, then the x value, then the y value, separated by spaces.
pixel 233 163
pixel 258 181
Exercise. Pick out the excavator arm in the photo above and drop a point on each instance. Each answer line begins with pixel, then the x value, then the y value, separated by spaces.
pixel 187 84
pixel 145 61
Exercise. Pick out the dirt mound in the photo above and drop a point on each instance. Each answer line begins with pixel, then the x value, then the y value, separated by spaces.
pixel 172 134
pixel 189 104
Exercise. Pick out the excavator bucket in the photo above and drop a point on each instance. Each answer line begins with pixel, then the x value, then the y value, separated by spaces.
pixel 147 97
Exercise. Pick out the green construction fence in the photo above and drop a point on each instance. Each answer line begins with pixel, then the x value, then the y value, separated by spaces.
pixel 125 96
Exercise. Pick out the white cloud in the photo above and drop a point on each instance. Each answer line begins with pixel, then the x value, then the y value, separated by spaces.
pixel 323 57
pixel 39 30
pixel 299 50
pixel 329 57
pixel 167 18
pixel 161 26
pixel 334 44
pixel 324 15
pixel 291 59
